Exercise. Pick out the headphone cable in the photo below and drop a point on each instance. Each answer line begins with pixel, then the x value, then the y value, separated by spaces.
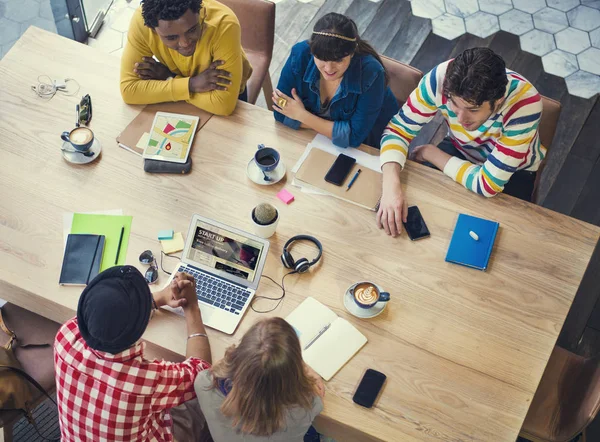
pixel 278 299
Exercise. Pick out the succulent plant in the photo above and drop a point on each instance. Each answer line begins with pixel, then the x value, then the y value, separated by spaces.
pixel 264 214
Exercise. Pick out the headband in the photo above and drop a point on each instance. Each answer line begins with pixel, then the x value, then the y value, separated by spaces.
pixel 329 34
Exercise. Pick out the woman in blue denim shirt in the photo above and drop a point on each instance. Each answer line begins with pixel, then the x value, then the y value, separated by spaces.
pixel 336 85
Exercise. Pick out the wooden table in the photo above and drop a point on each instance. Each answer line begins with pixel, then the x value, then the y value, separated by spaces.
pixel 463 350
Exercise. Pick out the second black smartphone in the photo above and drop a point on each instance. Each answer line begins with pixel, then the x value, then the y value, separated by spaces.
pixel 415 224
pixel 340 169
pixel 369 388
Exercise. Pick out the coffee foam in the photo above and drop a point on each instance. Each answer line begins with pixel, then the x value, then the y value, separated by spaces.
pixel 366 294
pixel 80 135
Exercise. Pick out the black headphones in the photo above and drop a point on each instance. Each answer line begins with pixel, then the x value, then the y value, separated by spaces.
pixel 302 265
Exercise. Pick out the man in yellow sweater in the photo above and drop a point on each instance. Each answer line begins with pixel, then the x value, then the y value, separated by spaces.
pixel 200 56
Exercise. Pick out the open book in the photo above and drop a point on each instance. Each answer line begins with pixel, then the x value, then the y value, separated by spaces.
pixel 327 341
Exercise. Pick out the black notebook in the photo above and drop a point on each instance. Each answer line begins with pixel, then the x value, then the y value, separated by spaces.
pixel 83 255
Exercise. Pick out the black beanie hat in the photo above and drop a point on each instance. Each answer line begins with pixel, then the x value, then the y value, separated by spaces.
pixel 114 309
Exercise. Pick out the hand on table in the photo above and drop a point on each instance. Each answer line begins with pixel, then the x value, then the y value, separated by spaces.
pixel 393 209
pixel 211 79
pixel 150 69
pixel 293 107
pixel 419 153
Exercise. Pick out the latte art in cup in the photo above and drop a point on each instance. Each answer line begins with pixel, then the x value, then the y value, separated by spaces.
pixel 366 294
pixel 81 135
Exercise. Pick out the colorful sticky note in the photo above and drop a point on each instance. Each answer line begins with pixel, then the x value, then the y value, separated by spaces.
pixel 173 245
pixel 285 196
pixel 165 234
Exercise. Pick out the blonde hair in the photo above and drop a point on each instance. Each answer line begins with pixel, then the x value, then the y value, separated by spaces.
pixel 267 376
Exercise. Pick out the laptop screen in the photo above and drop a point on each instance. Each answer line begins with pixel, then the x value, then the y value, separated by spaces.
pixel 226 251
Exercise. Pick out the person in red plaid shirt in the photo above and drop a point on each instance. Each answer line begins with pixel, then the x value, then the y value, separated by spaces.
pixel 106 390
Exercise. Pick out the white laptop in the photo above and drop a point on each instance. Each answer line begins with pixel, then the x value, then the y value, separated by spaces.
pixel 227 264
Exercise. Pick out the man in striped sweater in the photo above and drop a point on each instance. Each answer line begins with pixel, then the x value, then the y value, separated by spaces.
pixel 493 143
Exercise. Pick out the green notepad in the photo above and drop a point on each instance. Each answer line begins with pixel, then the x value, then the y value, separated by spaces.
pixel 109 226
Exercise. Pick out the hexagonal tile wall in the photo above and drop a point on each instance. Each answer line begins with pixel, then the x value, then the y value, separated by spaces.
pixel 589 60
pixel 531 6
pixel 428 8
pixel 563 5
pixel 448 26
pixel 550 20
pixel 537 42
pixel 584 18
pixel 583 84
pixel 461 8
pixel 595 38
pixel 482 24
pixel 516 22
pixel 17 15
pixel 560 63
pixel 495 6
pixel 565 33
pixel 592 3
pixel 572 40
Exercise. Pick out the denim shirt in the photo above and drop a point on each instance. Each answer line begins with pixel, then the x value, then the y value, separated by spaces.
pixel 361 107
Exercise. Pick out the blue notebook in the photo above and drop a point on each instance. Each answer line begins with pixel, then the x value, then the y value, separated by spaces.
pixel 467 251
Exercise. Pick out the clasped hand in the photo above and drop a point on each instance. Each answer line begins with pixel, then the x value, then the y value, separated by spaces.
pixel 180 293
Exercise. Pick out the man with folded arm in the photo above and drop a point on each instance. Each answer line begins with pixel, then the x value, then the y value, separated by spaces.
pixel 185 50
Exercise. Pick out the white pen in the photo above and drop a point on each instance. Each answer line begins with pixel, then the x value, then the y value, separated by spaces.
pixel 323 330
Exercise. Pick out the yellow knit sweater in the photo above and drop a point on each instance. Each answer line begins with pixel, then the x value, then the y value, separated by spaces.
pixel 220 40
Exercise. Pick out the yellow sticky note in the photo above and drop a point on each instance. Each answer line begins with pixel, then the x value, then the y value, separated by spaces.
pixel 173 245
pixel 143 141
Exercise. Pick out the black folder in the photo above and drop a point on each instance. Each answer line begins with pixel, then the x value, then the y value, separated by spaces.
pixel 83 256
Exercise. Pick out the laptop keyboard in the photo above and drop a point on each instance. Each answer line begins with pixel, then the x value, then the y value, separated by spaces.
pixel 217 292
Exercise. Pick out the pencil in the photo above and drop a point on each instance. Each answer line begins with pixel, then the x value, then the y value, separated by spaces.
pixel 353 179
pixel 119 248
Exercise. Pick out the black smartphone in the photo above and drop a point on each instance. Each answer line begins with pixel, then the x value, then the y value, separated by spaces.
pixel 340 169
pixel 369 388
pixel 415 224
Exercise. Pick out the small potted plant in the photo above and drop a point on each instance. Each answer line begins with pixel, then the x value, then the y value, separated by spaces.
pixel 265 218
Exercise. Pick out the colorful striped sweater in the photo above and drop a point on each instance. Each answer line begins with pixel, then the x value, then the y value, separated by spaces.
pixel 508 141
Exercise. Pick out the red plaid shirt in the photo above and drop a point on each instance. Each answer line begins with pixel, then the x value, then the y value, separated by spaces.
pixel 121 397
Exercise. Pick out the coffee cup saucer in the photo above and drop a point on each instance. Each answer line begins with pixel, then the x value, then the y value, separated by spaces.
pixel 78 158
pixel 255 174
pixel 359 312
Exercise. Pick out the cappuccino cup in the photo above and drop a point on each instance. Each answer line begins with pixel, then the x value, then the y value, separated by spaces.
pixel 366 294
pixel 81 138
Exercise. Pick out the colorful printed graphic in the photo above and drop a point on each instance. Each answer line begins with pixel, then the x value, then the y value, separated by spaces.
pixel 171 137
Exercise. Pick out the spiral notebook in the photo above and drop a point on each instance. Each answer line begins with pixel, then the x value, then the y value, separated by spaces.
pixel 327 341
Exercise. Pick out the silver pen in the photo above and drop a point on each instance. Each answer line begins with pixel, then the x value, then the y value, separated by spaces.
pixel 323 330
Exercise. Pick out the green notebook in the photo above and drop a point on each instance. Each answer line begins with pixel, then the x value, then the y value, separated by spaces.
pixel 109 226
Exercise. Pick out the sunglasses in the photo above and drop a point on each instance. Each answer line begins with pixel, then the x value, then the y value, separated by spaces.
pixel 84 111
pixel 151 275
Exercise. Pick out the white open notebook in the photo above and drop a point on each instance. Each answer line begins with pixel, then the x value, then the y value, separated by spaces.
pixel 327 341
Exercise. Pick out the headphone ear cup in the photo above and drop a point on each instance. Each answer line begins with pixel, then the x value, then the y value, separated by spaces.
pixel 302 265
pixel 287 260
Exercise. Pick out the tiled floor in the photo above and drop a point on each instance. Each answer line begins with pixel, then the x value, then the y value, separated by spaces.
pixel 565 33
pixel 17 15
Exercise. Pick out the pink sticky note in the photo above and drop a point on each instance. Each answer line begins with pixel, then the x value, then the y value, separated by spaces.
pixel 285 196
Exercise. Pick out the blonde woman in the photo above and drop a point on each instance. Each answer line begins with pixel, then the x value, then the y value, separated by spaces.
pixel 261 390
